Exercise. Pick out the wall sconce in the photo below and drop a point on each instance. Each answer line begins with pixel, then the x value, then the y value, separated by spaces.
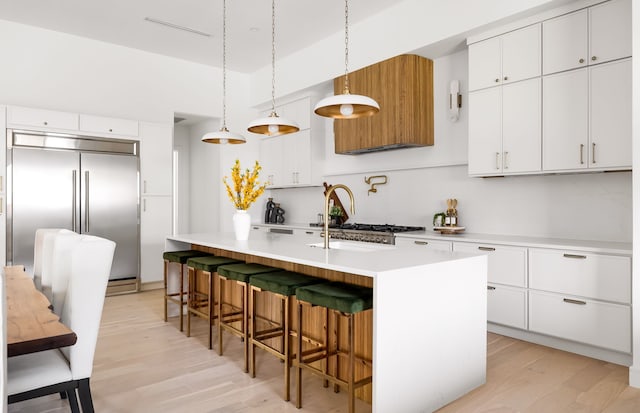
pixel 383 180
pixel 455 100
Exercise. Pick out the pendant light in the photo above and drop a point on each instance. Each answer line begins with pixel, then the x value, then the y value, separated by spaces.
pixel 346 105
pixel 273 125
pixel 223 135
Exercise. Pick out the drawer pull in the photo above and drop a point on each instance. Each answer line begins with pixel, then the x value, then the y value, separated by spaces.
pixel 486 248
pixel 421 242
pixel 256 227
pixel 489 287
pixel 309 232
pixel 281 231
pixel 580 257
pixel 570 301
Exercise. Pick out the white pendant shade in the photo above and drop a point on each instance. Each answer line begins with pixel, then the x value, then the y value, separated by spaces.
pixel 347 106
pixel 223 136
pixel 273 125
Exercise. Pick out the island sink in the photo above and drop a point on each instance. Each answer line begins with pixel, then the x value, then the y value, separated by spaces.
pixel 353 246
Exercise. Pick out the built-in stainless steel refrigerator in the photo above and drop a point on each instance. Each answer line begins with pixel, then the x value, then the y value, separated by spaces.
pixel 87 185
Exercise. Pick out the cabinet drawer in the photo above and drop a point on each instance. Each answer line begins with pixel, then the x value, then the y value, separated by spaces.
pixel 592 322
pixel 507 305
pixel 506 265
pixel 101 124
pixel 42 118
pixel 603 277
pixel 428 244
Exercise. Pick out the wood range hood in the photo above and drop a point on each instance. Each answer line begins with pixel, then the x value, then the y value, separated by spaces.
pixel 403 87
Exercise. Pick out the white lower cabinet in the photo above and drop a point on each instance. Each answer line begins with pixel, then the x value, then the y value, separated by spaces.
pixel 155 226
pixel 507 305
pixel 507 264
pixel 597 323
pixel 427 244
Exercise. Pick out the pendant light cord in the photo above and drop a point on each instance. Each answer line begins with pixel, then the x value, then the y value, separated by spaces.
pixel 346 46
pixel 273 57
pixel 224 65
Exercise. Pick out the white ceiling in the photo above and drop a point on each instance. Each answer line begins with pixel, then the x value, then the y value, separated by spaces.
pixel 298 24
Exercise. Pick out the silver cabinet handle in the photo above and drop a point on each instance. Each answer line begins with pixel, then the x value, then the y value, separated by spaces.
pixel 45 123
pixel 1 183
pixel 580 257
pixel 309 232
pixel 73 200
pixel 594 58
pixel 497 160
pixel 581 154
pixel 421 242
pixel 281 231
pixel 506 164
pixel 506 78
pixel 144 186
pixel 86 201
pixel 144 205
pixel 490 288
pixel 593 153
pixel 497 80
pixel 581 61
pixel 486 248
pixel 570 301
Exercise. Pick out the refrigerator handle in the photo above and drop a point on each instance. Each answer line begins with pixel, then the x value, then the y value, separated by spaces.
pixel 73 200
pixel 86 201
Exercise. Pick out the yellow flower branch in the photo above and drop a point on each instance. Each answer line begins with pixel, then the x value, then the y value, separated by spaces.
pixel 246 187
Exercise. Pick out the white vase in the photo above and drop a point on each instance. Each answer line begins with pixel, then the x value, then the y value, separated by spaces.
pixel 241 224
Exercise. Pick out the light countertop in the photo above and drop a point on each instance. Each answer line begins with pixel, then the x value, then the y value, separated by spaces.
pixel 376 260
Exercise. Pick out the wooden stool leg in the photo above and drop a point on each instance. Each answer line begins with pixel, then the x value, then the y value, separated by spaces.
pixel 286 350
pixel 336 386
pixel 244 328
pixel 190 283
pixel 299 356
pixel 351 368
pixel 210 309
pixel 181 295
pixel 328 345
pixel 252 318
pixel 166 288
pixel 221 282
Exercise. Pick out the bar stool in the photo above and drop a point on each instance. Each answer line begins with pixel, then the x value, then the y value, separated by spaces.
pixel 180 258
pixel 344 300
pixel 198 300
pixel 241 274
pixel 282 285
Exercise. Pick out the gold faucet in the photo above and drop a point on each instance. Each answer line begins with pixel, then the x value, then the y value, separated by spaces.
pixel 331 189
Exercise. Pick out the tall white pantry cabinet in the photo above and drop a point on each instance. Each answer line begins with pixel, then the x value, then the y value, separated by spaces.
pixel 569 108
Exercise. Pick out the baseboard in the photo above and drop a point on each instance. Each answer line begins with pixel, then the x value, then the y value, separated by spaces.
pixel 610 356
pixel 634 376
pixel 153 285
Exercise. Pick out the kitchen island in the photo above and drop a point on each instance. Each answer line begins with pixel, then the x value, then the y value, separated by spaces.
pixel 429 315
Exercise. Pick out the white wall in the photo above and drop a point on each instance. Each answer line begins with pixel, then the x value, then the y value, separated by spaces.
pixel 182 145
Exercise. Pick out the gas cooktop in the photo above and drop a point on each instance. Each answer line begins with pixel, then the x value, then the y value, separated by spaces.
pixel 382 234
pixel 378 228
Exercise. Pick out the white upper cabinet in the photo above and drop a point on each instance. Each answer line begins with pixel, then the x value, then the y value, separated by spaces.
pixel 297 111
pixel 587 118
pixel 41 118
pixel 609 31
pixel 590 36
pixel 156 158
pixel 610 115
pixel 564 108
pixel 504 129
pixel 101 124
pixel 511 57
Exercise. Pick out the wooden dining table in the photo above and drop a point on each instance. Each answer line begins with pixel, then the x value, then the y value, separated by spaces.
pixel 31 325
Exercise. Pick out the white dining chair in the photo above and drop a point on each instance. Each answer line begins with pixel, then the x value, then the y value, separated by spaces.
pixel 69 369
pixel 38 253
pixel 45 258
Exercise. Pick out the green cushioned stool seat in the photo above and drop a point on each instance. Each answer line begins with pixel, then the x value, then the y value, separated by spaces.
pixel 347 298
pixel 243 271
pixel 283 282
pixel 182 256
pixel 209 263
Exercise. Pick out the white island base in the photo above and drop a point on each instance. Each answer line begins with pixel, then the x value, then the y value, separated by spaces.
pixel 429 314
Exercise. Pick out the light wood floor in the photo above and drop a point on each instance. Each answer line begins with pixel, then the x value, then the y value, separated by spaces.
pixel 145 365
